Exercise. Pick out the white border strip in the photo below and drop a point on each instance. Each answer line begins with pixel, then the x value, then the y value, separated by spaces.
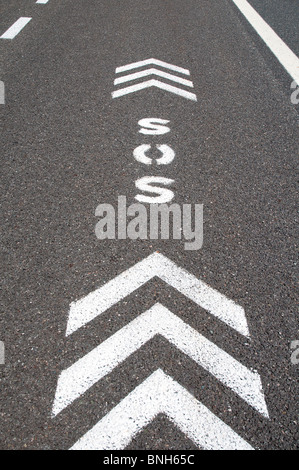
pixel 16 28
pixel 282 52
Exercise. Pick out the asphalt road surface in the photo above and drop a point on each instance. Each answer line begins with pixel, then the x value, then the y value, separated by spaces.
pixel 191 349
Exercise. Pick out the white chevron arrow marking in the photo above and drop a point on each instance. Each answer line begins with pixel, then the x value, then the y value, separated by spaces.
pixel 160 394
pixel 159 73
pixel 82 375
pixel 160 63
pixel 97 302
pixel 154 83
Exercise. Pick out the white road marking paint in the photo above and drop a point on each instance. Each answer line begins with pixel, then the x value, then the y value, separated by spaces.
pixel 160 394
pixel 168 155
pixel 85 310
pixel 82 375
pixel 282 52
pixel 153 126
pixel 140 154
pixel 16 28
pixel 146 73
pixel 160 63
pixel 146 184
pixel 154 83
pixel 42 2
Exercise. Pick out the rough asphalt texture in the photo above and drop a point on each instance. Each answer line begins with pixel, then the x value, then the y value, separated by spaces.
pixel 67 147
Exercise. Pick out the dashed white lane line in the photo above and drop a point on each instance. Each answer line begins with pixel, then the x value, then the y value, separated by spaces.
pixel 282 52
pixel 42 2
pixel 16 28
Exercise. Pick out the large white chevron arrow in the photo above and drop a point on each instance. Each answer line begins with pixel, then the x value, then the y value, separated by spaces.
pixel 97 302
pixel 82 375
pixel 160 394
pixel 154 83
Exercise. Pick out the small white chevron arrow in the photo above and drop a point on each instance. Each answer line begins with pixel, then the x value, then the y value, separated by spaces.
pixel 160 394
pixel 159 73
pixel 153 83
pixel 96 303
pixel 2 93
pixel 159 63
pixel 82 375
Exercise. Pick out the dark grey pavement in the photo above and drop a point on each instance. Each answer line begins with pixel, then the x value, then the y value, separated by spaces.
pixel 67 147
pixel 283 17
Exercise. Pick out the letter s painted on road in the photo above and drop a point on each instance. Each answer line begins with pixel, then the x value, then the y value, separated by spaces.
pixel 153 126
pixel 145 184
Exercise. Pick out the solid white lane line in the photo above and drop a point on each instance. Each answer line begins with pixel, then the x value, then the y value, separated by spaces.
pixel 15 29
pixel 282 52
pixel 160 394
